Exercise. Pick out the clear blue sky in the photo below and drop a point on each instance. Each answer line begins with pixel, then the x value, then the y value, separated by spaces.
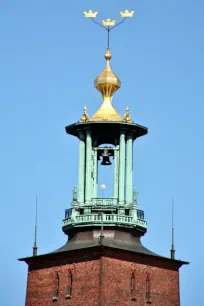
pixel 50 56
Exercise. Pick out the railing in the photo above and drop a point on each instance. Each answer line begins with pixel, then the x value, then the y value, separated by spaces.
pixel 140 214
pixel 107 219
pixel 104 201
pixel 68 213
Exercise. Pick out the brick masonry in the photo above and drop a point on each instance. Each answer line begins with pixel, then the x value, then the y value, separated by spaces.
pixel 102 277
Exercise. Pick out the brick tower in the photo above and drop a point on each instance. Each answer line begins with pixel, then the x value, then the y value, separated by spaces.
pixel 103 262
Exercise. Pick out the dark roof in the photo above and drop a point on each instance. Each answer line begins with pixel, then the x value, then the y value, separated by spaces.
pixel 137 249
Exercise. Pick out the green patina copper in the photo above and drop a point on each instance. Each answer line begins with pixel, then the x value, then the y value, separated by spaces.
pixel 81 177
pixel 129 166
pixel 88 188
pixel 135 197
pixel 122 169
pixel 109 220
pixel 116 172
pixel 95 174
pixel 121 210
pixel 74 195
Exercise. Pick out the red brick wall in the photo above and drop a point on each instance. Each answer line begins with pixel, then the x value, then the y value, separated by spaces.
pixel 104 281
pixel 41 286
pixel 117 284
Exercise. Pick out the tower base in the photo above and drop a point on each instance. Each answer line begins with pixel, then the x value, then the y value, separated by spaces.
pixel 102 275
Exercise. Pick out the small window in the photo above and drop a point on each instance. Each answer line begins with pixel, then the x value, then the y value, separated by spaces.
pixel 56 295
pixel 69 289
pixel 132 285
pixel 127 212
pixel 148 289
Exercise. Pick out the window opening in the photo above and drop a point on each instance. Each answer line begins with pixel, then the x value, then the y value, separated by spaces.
pixel 133 291
pixel 55 297
pixel 69 289
pixel 148 289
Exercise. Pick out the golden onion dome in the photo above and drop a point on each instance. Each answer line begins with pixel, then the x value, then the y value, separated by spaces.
pixel 107 83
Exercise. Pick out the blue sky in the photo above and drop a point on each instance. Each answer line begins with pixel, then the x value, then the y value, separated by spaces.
pixel 50 56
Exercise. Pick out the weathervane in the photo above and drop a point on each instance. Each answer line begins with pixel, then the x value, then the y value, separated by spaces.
pixel 108 24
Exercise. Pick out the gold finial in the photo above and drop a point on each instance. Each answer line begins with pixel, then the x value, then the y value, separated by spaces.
pixel 108 55
pixel 85 116
pixel 126 117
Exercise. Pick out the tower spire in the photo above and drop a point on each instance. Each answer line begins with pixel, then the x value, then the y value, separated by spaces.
pixel 107 82
pixel 172 233
pixel 35 235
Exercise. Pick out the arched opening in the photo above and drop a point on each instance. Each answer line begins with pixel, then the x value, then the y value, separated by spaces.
pixel 69 288
pixel 56 295
pixel 105 170
pixel 148 289
pixel 133 286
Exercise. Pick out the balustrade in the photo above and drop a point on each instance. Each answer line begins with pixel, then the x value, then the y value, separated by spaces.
pixel 105 218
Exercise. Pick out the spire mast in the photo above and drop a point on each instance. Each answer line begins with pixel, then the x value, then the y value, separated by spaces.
pixel 35 235
pixel 172 233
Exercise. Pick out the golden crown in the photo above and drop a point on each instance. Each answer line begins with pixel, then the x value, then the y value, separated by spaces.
pixel 90 14
pixel 108 22
pixel 126 14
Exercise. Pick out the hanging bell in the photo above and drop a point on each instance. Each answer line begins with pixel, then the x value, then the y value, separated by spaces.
pixel 106 158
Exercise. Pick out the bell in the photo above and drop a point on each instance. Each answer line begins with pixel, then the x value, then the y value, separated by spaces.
pixel 106 159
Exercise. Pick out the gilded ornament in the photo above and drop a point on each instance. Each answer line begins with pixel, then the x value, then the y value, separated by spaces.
pixel 85 116
pixel 126 14
pixel 108 22
pixel 90 14
pixel 107 84
pixel 126 117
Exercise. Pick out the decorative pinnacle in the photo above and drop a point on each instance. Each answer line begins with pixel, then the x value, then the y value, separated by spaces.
pixel 74 194
pixel 35 236
pixel 135 193
pixel 108 24
pixel 172 251
pixel 85 116
pixel 126 117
